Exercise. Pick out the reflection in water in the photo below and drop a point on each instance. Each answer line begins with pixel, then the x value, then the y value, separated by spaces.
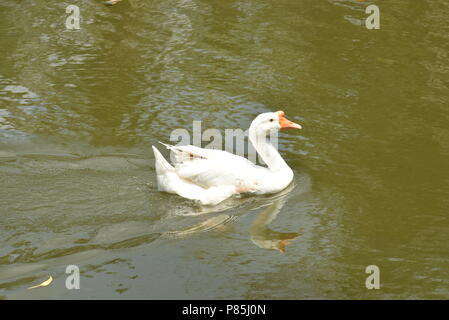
pixel 210 224
pixel 264 237
pixel 261 235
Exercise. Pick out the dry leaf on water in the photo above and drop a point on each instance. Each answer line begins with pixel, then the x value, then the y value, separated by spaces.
pixel 43 284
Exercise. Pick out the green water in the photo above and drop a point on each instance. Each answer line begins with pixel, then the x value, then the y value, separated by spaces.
pixel 80 109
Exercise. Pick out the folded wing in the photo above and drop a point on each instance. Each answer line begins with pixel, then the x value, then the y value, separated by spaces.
pixel 209 168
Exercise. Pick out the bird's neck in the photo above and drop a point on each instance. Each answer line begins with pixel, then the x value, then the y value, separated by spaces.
pixel 267 151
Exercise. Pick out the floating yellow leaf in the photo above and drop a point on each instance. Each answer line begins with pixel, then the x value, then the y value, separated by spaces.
pixel 43 284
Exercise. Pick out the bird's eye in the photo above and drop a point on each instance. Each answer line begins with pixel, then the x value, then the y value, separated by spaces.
pixel 271 120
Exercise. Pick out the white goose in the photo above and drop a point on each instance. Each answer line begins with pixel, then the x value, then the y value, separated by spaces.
pixel 211 176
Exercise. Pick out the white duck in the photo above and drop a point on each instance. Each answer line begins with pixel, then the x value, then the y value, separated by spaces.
pixel 211 176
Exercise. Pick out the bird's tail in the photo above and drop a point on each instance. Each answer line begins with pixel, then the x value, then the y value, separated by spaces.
pixel 162 165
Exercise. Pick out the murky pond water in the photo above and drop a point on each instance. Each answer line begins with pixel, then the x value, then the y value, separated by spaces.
pixel 80 109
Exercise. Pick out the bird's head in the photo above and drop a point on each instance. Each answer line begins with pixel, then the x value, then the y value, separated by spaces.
pixel 269 121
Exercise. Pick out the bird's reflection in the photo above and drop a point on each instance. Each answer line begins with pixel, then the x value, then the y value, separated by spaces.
pixel 265 238
pixel 261 235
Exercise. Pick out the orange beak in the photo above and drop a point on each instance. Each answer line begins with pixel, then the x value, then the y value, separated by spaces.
pixel 285 123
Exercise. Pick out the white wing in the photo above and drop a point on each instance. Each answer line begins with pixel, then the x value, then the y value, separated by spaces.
pixel 209 168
